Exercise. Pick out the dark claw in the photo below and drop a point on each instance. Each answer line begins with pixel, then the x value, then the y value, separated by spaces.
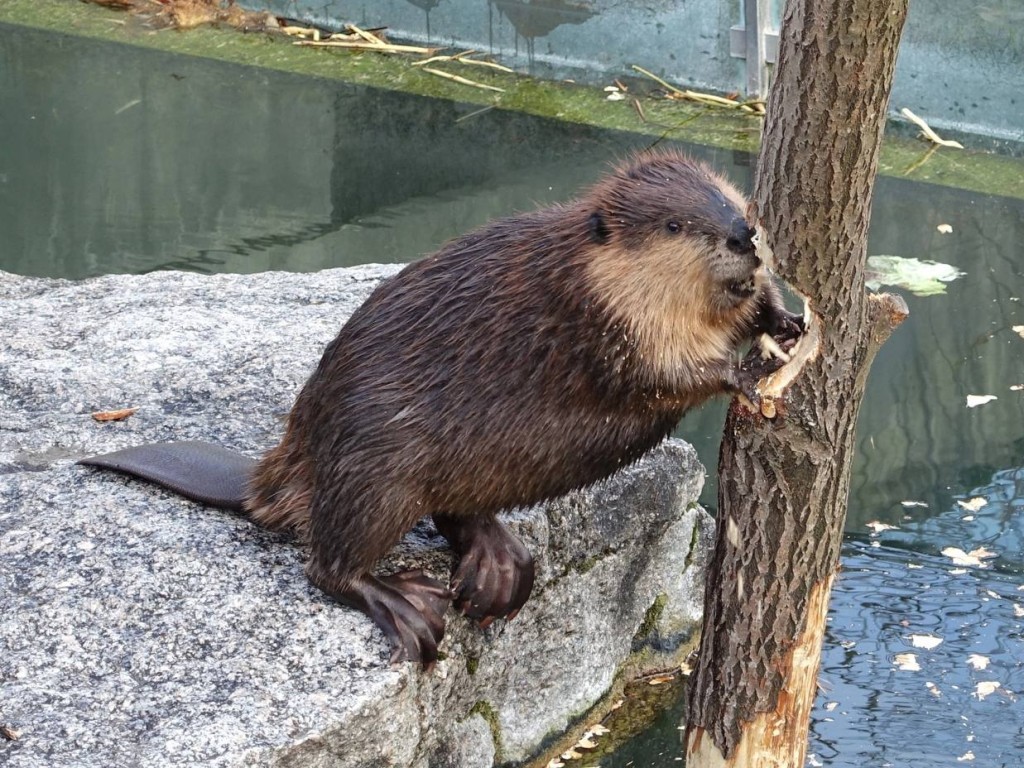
pixel 495 573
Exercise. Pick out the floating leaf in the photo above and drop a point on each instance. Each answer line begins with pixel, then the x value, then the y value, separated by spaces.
pixel 965 757
pixel 973 401
pixel 909 504
pixel 925 641
pixel 987 688
pixel 907 662
pixel 1018 610
pixel 933 689
pixel 920 277
pixel 877 526
pixel 974 557
pixel 973 504
pixel 1019 330
pixel 977 661
pixel 945 228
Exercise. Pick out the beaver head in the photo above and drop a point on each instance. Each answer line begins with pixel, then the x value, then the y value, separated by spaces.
pixel 675 261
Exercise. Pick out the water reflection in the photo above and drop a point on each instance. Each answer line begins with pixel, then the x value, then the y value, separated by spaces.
pixel 873 713
pixel 534 19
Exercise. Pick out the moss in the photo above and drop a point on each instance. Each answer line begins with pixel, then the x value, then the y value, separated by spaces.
pixel 486 711
pixel 472 664
pixel 650 622
pixel 585 565
pixel 694 550
pixel 901 156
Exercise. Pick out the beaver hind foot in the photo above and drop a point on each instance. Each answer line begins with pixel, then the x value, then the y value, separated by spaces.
pixel 408 606
pixel 495 571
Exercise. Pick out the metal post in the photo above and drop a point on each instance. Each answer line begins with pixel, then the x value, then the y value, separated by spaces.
pixel 755 43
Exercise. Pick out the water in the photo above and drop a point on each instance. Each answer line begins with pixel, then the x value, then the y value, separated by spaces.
pixel 121 160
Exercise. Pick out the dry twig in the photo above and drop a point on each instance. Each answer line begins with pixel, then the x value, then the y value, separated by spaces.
pixel 927 132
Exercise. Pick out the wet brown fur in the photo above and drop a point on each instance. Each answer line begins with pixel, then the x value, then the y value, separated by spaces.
pixel 533 356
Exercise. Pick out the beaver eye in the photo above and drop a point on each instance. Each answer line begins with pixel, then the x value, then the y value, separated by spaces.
pixel 674 227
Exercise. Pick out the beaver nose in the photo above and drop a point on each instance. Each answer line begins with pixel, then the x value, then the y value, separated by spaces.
pixel 741 237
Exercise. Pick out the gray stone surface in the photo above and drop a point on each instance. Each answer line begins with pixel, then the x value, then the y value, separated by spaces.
pixel 139 629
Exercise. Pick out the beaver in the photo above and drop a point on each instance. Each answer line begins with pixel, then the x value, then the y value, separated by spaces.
pixel 533 356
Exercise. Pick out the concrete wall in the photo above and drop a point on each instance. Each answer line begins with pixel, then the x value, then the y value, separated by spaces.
pixel 961 65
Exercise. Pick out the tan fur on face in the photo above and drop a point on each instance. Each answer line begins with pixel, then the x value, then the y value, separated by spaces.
pixel 662 296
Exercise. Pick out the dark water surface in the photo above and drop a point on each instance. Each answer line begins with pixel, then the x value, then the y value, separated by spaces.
pixel 121 160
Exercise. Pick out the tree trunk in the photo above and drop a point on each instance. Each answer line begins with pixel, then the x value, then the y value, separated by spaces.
pixel 784 480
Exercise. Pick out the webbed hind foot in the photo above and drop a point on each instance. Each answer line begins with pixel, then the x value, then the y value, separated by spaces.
pixel 495 573
pixel 408 606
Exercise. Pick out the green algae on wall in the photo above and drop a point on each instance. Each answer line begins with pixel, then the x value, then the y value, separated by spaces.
pixel 657 118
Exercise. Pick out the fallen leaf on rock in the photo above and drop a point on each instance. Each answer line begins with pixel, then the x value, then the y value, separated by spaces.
pixel 119 415
pixel 586 744
pixel 973 401
pixel 661 679
pixel 571 754
pixel 907 662
pixel 598 730
pixel 973 504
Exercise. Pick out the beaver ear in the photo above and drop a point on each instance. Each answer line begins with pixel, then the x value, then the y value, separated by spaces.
pixel 598 228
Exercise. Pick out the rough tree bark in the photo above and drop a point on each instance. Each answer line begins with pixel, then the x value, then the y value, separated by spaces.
pixel 784 481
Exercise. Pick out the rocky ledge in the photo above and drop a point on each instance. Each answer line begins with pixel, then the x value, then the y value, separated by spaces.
pixel 141 629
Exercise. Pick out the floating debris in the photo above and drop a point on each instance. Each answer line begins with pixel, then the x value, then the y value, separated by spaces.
pixel 919 276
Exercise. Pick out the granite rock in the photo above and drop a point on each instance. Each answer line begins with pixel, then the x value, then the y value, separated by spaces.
pixel 140 629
